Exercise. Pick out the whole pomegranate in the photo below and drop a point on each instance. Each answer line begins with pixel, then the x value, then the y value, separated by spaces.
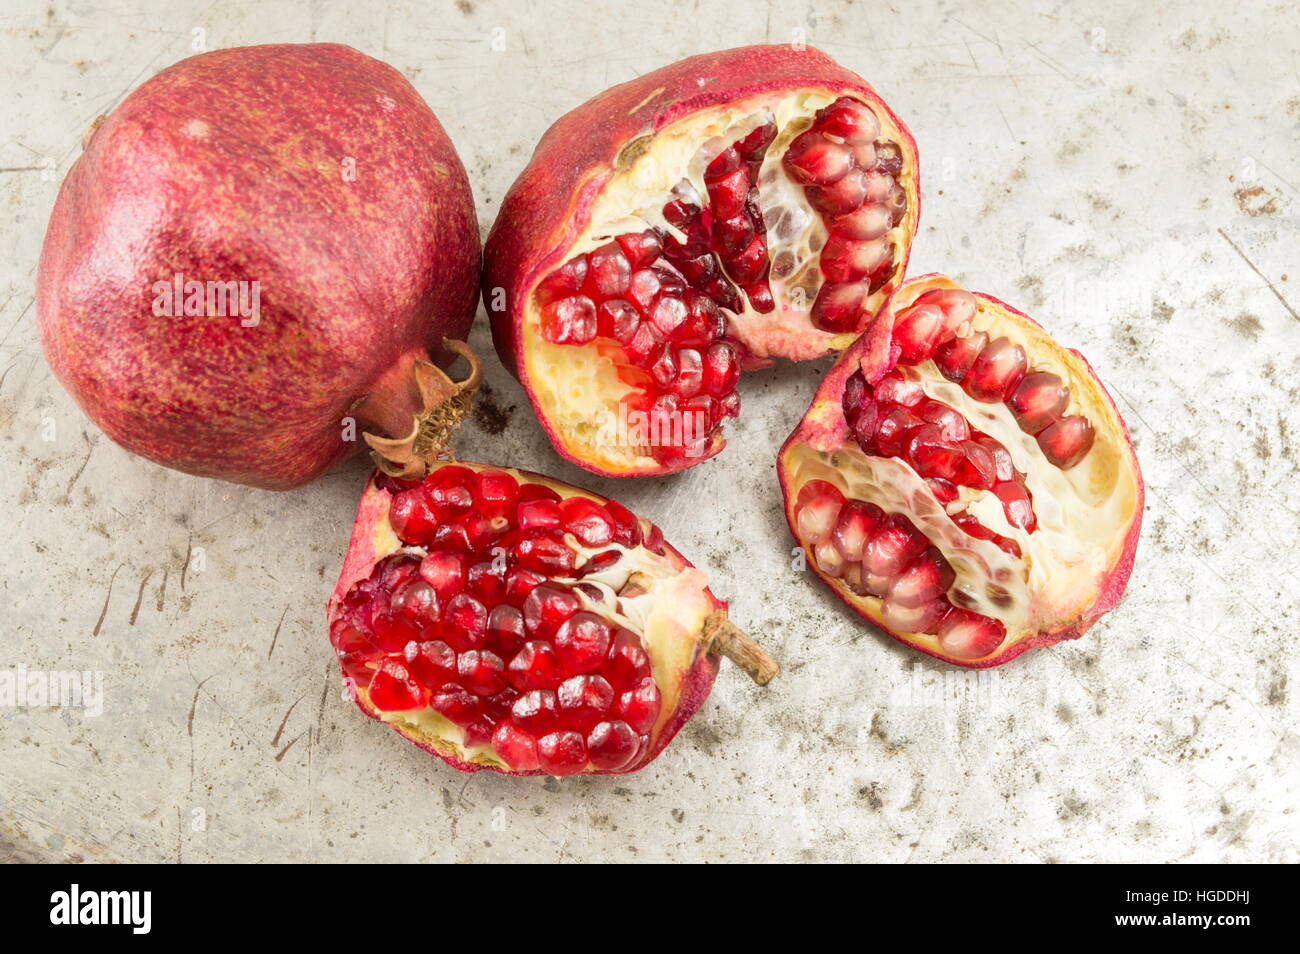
pixel 257 247
pixel 503 620
pixel 754 203
pixel 963 481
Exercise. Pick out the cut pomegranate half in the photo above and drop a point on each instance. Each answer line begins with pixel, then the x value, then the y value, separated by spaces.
pixel 503 620
pixel 698 220
pixel 964 481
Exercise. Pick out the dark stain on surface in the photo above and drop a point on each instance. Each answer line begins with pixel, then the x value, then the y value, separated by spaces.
pixel 490 415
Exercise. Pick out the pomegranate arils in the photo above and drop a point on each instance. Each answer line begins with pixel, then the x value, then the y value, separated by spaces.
pixel 997 371
pixel 562 753
pixel 612 745
pixel 582 642
pixel 569 320
pixel 639 706
pixel 489 638
pixel 850 179
pixel 1067 441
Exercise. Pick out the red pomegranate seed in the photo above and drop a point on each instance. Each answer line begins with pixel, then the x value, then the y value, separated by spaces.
pixel 617 319
pixel 867 222
pixel 945 491
pixel 416 600
pixel 848 260
pixel 731 235
pixel 546 608
pixel 924 580
pixel 627 528
pixel 723 163
pixel 628 662
pixel 892 431
pixel 537 492
pixel 968 635
pixel 562 753
pixel 536 711
pixel 456 703
pixel 608 272
pixel 497 493
pixel 464 622
pixel 817 518
pixel 1038 400
pixel 842 196
pixel 640 248
pixel 612 745
pixel 912 619
pixel 539 513
pixel 645 346
pixel 517 748
pixel 952 426
pixel 569 321
pixel 535 666
pixel 347 638
pixel 664 371
pixel 727 195
pixel 838 308
pixel 481 672
pixel 919 332
pixel 977 469
pixel 565 281
pixel 958 306
pixel 955 358
pixel 432 663
pixel 582 642
pixel 848 119
pixel 893 548
pixel 519 583
pixel 584 700
pixel 1016 504
pixel 639 706
pixel 644 286
pixel 690 373
pixel 896 388
pixel 411 517
pixel 814 160
pixel 931 456
pixel 1067 441
pixel 997 371
pixel 857 523
pixel 667 313
pixel 587 520
pixel 393 689
pixel 721 369
pixel 392 633
pixel 505 630
pixel 545 551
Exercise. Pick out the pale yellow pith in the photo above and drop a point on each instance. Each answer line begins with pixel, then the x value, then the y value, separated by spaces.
pixel 578 387
pixel 1083 514
pixel 670 616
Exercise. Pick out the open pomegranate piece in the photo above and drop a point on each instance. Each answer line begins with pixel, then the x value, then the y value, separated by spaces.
pixel 700 219
pixel 964 481
pixel 503 620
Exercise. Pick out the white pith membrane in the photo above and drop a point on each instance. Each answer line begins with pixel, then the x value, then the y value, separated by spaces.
pixel 668 616
pixel 578 386
pixel 1083 513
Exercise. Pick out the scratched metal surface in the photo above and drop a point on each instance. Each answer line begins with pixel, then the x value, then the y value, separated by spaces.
pixel 1127 176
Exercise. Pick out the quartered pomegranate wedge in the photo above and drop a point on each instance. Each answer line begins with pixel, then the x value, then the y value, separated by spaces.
pixel 503 620
pixel 964 481
pixel 755 203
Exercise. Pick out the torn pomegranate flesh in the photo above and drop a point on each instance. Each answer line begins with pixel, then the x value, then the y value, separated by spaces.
pixel 884 555
pixel 471 621
pixel 654 302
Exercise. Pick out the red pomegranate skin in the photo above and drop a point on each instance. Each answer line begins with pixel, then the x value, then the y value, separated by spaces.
pixel 550 203
pixel 311 169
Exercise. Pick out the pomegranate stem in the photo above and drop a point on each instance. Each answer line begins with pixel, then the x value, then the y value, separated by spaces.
pixel 721 635
pixel 444 404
